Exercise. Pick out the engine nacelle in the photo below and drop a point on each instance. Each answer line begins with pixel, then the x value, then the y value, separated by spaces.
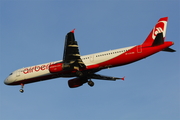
pixel 56 67
pixel 76 82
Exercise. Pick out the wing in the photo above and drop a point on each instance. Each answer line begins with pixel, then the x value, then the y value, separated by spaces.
pixel 71 52
pixel 102 77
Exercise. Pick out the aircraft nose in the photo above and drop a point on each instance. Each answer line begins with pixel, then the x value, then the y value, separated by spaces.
pixel 10 79
pixel 6 81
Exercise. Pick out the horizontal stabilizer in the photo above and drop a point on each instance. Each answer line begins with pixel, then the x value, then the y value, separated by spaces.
pixel 169 50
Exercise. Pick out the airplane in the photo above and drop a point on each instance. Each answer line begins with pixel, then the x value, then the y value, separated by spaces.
pixel 84 68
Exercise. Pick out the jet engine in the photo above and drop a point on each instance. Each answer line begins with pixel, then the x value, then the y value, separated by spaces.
pixel 76 82
pixel 56 67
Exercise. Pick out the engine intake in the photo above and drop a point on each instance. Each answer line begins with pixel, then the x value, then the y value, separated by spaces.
pixel 76 82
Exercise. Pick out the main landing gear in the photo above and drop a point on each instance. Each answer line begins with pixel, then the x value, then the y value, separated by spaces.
pixel 90 83
pixel 22 86
pixel 79 73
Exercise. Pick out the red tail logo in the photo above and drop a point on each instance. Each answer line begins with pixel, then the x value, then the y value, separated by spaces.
pixel 159 28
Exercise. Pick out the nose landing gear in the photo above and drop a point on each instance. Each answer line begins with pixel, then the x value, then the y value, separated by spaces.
pixel 22 86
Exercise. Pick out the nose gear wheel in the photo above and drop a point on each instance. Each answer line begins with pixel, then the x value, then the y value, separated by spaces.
pixel 21 90
pixel 22 86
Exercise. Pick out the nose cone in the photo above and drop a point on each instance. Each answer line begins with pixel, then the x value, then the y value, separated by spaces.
pixel 7 81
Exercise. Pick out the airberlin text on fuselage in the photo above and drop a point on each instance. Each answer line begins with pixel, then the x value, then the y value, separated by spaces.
pixel 36 68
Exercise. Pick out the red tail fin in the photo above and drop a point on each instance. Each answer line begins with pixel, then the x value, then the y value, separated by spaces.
pixel 160 27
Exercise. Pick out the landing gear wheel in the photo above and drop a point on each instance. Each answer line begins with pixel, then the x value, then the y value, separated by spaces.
pixel 79 73
pixel 91 83
pixel 21 90
pixel 22 86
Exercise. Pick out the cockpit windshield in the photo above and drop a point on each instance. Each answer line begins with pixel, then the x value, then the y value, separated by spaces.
pixel 10 74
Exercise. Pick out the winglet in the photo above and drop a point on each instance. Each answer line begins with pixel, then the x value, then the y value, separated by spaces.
pixel 123 78
pixel 73 30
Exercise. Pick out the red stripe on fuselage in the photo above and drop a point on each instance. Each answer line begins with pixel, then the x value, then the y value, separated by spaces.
pixel 134 54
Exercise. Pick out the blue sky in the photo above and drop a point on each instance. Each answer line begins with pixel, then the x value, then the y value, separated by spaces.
pixel 33 31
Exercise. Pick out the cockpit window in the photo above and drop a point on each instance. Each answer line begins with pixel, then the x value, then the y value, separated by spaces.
pixel 10 74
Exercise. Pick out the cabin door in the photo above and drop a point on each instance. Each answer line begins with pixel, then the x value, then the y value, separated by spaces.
pixel 91 58
pixel 139 49
pixel 18 73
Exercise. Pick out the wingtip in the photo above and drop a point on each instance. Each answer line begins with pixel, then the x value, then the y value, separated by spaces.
pixel 72 31
pixel 123 78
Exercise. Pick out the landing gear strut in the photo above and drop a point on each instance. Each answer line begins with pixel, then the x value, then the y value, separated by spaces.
pixel 22 86
pixel 79 74
pixel 91 83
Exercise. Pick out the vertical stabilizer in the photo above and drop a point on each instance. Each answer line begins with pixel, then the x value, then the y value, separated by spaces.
pixel 160 27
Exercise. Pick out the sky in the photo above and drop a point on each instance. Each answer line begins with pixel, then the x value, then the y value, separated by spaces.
pixel 32 32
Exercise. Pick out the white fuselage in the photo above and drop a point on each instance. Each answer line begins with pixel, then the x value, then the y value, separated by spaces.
pixel 42 70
